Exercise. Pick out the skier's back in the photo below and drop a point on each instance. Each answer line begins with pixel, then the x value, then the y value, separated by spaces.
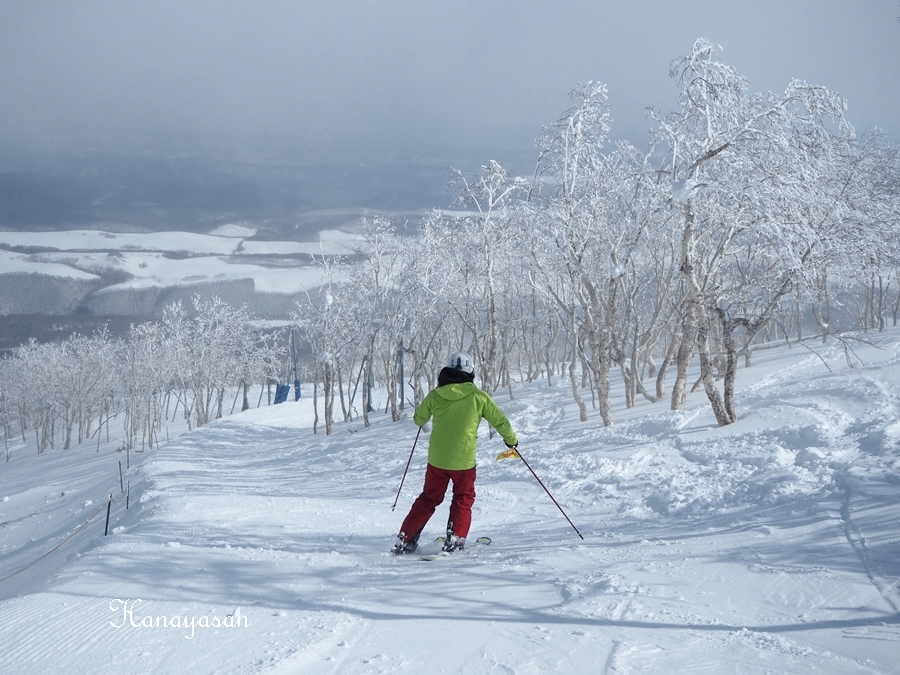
pixel 456 407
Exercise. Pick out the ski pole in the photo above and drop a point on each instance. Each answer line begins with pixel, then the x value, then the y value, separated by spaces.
pixel 548 493
pixel 397 498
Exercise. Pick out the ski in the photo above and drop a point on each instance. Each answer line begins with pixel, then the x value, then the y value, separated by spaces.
pixel 480 540
pixel 484 541
pixel 435 556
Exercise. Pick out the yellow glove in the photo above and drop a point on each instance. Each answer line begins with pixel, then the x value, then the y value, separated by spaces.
pixel 512 453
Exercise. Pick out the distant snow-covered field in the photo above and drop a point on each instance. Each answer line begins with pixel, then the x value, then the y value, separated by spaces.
pixel 251 545
pixel 228 242
pixel 155 270
pixel 17 263
pixel 159 260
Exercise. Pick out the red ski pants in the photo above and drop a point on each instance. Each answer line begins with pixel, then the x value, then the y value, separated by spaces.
pixel 436 481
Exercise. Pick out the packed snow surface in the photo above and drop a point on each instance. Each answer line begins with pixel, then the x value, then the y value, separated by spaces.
pixel 253 546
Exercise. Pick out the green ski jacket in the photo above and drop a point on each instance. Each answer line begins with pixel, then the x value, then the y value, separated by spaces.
pixel 457 410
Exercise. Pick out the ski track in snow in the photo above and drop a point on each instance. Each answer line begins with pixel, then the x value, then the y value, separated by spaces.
pixel 769 546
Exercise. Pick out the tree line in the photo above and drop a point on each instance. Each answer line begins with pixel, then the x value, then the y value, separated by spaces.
pixel 180 367
pixel 750 216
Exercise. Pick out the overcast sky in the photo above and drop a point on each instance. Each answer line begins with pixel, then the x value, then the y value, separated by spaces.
pixel 362 79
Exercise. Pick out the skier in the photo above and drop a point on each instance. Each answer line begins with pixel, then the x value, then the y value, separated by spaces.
pixel 457 407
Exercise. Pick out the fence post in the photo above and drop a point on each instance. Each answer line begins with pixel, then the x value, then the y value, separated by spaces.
pixel 108 507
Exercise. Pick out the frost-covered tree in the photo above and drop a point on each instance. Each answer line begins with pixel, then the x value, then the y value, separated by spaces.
pixel 572 223
pixel 749 173
pixel 427 276
pixel 479 248
pixel 93 382
pixel 600 243
pixel 147 362
pixel 335 322
pixel 210 352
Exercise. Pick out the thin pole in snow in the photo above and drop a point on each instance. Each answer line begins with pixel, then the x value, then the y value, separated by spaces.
pixel 548 494
pixel 397 498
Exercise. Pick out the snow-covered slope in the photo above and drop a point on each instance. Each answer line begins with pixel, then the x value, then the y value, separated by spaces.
pixel 16 263
pixel 770 546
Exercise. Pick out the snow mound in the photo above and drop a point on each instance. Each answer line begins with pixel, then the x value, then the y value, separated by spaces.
pixel 233 230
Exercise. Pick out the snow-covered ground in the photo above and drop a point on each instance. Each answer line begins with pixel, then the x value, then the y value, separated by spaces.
pixel 769 546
